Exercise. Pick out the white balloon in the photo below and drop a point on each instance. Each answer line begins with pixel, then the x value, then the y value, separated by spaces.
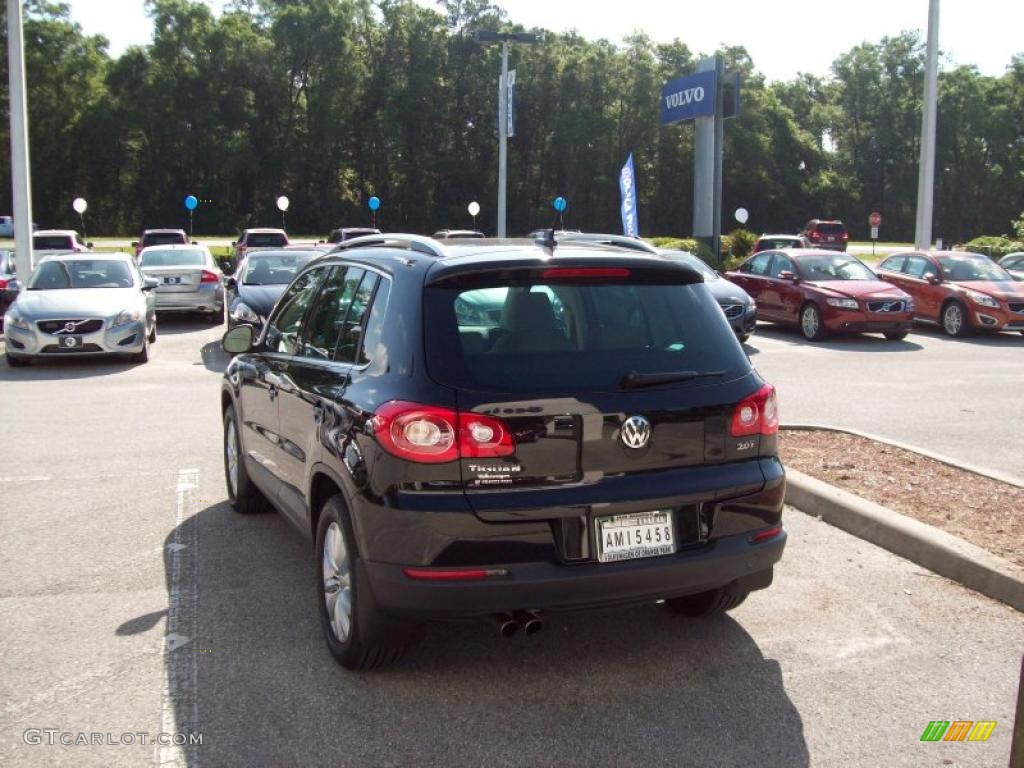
pixel 282 203
pixel 474 208
pixel 742 215
pixel 79 205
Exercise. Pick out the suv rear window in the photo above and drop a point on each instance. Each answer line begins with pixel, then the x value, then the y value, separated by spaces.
pixel 567 336
pixel 265 240
pixel 52 243
pixel 163 238
pixel 830 227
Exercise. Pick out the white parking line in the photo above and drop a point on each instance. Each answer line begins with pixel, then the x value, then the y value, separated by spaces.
pixel 181 661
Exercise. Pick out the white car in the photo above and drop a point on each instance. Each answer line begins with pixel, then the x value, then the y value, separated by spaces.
pixel 82 304
pixel 188 277
pixel 47 241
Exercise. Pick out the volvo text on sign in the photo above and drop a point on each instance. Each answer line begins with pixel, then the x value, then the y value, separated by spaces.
pixel 688 97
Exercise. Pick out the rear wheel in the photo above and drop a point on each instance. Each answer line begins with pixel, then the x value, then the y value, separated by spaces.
pixel 896 335
pixel 811 324
pixel 354 630
pixel 708 603
pixel 954 320
pixel 242 494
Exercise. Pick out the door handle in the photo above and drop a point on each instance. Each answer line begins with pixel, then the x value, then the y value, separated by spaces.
pixel 272 392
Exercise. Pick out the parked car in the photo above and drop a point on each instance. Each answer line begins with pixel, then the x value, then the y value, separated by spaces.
pixel 260 280
pixel 958 290
pixel 189 279
pixel 604 441
pixel 830 235
pixel 462 234
pixel 159 237
pixel 822 292
pixel 737 305
pixel 257 238
pixel 58 241
pixel 342 234
pixel 1014 264
pixel 7 226
pixel 778 242
pixel 82 305
pixel 9 285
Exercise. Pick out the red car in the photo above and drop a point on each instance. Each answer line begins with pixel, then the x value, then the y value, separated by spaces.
pixel 826 234
pixel 823 292
pixel 958 290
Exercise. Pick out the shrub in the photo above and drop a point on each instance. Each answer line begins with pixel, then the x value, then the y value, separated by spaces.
pixel 741 243
pixel 1018 226
pixel 993 246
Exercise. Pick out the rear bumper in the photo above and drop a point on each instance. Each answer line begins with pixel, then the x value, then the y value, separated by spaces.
pixel 553 587
pixel 203 300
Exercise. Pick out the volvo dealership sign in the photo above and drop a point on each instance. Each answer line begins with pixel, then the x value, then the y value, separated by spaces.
pixel 688 97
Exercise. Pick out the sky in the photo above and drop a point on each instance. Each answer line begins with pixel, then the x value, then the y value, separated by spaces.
pixel 783 37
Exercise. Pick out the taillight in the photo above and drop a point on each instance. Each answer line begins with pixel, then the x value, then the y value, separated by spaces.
pixel 209 277
pixel 769 533
pixel 758 414
pixel 846 236
pixel 433 435
pixel 3 285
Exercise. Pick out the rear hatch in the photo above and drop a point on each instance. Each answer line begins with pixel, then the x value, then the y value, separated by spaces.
pixel 611 381
pixel 179 271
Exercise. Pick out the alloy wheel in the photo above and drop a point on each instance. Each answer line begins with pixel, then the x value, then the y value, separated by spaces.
pixel 232 455
pixel 953 319
pixel 337 577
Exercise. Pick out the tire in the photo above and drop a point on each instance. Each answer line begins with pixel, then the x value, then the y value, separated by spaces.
pixel 954 320
pixel 17 362
pixel 143 356
pixel 743 337
pixel 710 603
pixel 243 495
pixel 812 326
pixel 896 335
pixel 357 635
pixel 152 334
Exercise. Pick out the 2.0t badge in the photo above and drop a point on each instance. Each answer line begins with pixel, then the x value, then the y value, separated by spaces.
pixel 635 432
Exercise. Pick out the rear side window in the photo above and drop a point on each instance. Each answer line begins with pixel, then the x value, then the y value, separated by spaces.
pixel 758 265
pixel 372 348
pixel 326 321
pixel 893 264
pixel 831 227
pixel 916 266
pixel 568 337
pixel 352 329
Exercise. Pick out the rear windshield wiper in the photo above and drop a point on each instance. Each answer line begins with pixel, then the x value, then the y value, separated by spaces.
pixel 634 380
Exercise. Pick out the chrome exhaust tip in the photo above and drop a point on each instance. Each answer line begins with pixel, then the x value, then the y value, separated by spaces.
pixel 531 621
pixel 506 623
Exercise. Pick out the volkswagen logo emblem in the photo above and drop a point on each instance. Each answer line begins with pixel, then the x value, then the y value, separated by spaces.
pixel 635 432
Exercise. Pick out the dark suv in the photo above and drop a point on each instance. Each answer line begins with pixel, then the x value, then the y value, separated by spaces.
pixel 831 235
pixel 504 428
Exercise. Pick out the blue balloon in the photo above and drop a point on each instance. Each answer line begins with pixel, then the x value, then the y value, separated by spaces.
pixel 561 204
pixel 374 203
pixel 191 202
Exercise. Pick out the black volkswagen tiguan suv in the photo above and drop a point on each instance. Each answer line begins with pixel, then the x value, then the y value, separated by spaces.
pixel 504 428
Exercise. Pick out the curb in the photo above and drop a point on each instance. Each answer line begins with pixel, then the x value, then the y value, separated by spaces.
pixel 936 550
pixel 991 474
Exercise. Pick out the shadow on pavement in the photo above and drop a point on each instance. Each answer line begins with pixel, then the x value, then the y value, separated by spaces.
pixel 1001 339
pixel 177 323
pixel 214 357
pixel 855 342
pixel 636 686
pixel 56 368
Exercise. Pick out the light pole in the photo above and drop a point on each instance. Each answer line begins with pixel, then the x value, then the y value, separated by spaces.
pixel 926 169
pixel 20 176
pixel 504 38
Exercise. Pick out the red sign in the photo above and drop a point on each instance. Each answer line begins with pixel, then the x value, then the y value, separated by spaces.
pixel 875 219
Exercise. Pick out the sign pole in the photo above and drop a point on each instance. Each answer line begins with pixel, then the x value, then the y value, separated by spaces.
pixel 20 179
pixel 502 140
pixel 707 166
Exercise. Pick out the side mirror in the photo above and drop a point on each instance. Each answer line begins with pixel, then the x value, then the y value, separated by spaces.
pixel 932 278
pixel 149 283
pixel 238 340
pixel 787 275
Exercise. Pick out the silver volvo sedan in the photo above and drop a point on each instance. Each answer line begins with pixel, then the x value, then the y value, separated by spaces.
pixel 189 279
pixel 82 304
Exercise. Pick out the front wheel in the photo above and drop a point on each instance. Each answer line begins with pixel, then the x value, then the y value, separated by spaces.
pixel 743 337
pixel 896 335
pixel 811 324
pixel 143 355
pixel 242 494
pixel 954 320
pixel 352 627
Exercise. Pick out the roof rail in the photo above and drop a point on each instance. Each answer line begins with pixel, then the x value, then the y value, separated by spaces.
pixel 418 243
pixel 619 241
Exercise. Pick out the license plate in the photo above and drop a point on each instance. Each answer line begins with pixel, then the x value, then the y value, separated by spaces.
pixel 172 281
pixel 644 534
pixel 70 342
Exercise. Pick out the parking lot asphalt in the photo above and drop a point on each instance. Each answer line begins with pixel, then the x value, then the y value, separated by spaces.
pixel 133 600
pixel 960 398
